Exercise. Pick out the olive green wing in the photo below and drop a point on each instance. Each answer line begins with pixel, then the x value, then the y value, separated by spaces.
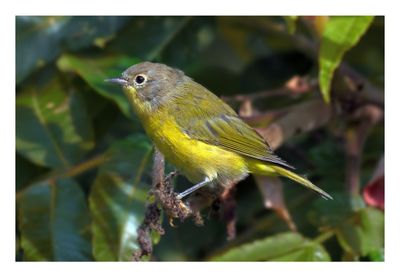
pixel 203 116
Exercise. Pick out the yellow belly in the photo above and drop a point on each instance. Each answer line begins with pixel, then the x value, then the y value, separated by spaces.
pixel 195 159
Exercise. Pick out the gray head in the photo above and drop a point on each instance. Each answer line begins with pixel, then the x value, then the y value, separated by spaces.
pixel 150 82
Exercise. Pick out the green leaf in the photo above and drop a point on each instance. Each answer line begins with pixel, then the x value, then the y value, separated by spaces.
pixel 331 214
pixel 52 126
pixel 363 233
pixel 173 40
pixel 340 34
pixel 187 43
pixel 25 172
pixel 95 70
pixel 41 39
pixel 43 34
pixel 377 255
pixel 155 34
pixel 54 222
pixel 309 251
pixel 280 247
pixel 118 197
pixel 359 230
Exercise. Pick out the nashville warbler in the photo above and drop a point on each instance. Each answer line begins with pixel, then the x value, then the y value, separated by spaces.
pixel 197 132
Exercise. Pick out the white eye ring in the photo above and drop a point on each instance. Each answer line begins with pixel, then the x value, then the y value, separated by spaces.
pixel 140 80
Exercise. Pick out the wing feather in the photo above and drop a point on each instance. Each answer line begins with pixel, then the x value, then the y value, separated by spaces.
pixel 205 117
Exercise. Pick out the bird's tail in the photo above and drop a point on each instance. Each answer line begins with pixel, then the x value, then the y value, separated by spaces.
pixel 270 169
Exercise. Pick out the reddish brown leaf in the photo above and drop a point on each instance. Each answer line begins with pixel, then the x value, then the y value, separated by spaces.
pixel 271 190
pixel 374 191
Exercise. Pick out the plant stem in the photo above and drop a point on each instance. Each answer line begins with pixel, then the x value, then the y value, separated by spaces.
pixel 68 172
pixel 324 236
pixel 85 166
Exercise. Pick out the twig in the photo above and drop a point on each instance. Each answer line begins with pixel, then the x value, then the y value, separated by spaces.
pixel 158 169
pixel 163 189
pixel 69 172
pixel 266 118
pixel 293 87
pixel 361 86
pixel 365 118
pixel 303 118
pixel 229 211
pixel 150 223
pixel 165 197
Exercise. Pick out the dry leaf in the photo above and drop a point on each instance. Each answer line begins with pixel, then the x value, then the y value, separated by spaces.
pixel 271 190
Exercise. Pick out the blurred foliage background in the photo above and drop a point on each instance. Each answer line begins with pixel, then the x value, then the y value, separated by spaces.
pixel 313 86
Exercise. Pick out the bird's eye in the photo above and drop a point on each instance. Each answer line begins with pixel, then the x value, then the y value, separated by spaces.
pixel 140 79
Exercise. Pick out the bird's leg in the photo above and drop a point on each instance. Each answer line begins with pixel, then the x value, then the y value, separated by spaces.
pixel 195 187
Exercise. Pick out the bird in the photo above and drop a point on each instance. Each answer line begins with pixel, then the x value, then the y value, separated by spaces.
pixel 197 132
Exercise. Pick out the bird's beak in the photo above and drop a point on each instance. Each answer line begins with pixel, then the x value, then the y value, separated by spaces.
pixel 119 81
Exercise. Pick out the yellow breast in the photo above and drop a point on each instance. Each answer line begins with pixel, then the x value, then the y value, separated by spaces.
pixel 195 159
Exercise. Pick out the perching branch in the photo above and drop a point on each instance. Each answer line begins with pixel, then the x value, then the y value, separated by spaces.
pixel 163 191
pixel 151 222
pixel 166 198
